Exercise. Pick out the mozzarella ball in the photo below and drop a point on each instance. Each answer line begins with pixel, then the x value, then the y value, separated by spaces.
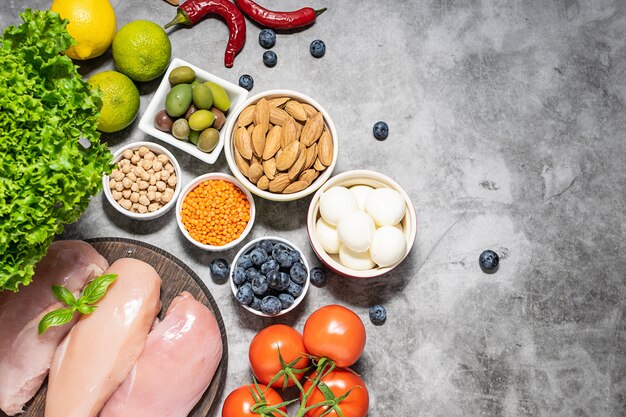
pixel 355 260
pixel 386 206
pixel 335 202
pixel 356 230
pixel 361 192
pixel 327 235
pixel 388 246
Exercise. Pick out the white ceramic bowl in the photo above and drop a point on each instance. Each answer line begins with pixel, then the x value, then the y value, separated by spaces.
pixel 156 149
pixel 247 248
pixel 193 184
pixel 229 130
pixel 349 179
pixel 236 94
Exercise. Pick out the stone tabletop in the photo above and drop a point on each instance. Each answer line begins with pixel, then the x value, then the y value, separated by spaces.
pixel 507 130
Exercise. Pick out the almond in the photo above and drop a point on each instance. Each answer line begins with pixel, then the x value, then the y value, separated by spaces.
pixel 296 110
pixel 294 187
pixel 325 149
pixel 255 172
pixel 312 129
pixel 247 116
pixel 243 143
pixel 309 176
pixel 288 156
pixel 272 142
pixel 264 183
pixel 278 101
pixel 298 166
pixel 256 159
pixel 250 129
pixel 288 133
pixel 242 164
pixel 262 113
pixel 278 116
pixel 318 166
pixel 308 109
pixel 258 139
pixel 298 130
pixel 269 168
pixel 311 155
pixel 278 184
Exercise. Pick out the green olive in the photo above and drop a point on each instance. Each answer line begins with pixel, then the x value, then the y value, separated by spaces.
pixel 207 141
pixel 178 100
pixel 220 118
pixel 193 136
pixel 195 84
pixel 182 75
pixel 220 96
pixel 180 129
pixel 202 97
pixel 201 119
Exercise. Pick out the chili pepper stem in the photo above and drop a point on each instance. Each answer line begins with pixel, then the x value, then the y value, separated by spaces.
pixel 320 11
pixel 181 18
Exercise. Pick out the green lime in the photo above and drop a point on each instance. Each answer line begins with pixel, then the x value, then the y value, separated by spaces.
pixel 120 100
pixel 141 50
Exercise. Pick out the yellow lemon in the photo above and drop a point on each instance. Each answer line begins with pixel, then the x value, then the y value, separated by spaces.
pixel 142 50
pixel 92 25
pixel 120 100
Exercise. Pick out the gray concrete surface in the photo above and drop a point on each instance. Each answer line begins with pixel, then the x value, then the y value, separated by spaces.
pixel 507 130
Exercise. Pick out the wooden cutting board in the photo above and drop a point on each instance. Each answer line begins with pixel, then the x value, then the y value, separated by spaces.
pixel 177 277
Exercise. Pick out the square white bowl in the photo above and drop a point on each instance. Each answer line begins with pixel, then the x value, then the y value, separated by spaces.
pixel 236 94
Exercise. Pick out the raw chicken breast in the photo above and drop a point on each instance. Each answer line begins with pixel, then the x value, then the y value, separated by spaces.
pixel 101 349
pixel 25 357
pixel 176 367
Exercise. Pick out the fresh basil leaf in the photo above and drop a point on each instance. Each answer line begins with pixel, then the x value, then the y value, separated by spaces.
pixel 85 309
pixel 63 295
pixel 55 318
pixel 96 289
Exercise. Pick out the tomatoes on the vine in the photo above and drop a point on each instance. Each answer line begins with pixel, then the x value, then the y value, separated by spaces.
pixel 339 381
pixel 335 332
pixel 240 401
pixel 263 353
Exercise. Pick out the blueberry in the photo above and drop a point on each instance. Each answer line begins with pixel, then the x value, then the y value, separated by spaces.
pixel 269 266
pixel 270 58
pixel 278 247
pixel 239 275
pixel 318 276
pixel 283 258
pixel 245 294
pixel 259 284
pixel 378 314
pixel 258 256
pixel 294 289
pixel 246 81
pixel 252 273
pixel 298 273
pixel 266 245
pixel 286 300
pixel 317 48
pixel 219 268
pixel 489 261
pixel 244 261
pixel 294 255
pixel 278 280
pixel 256 304
pixel 267 38
pixel 381 130
pixel 271 305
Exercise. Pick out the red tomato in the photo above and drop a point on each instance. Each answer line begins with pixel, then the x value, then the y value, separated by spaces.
pixel 336 333
pixel 263 353
pixel 239 402
pixel 340 381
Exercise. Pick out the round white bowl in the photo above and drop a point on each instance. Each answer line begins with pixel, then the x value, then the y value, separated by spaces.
pixel 349 179
pixel 229 130
pixel 248 247
pixel 156 149
pixel 193 184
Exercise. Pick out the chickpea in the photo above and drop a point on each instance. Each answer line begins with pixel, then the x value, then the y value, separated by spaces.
pixel 170 168
pixel 144 199
pixel 116 195
pixel 158 175
pixel 134 187
pixel 171 181
pixel 151 195
pixel 117 175
pixel 157 166
pixel 126 193
pixel 135 159
pixel 146 164
pixel 112 183
pixel 164 175
pixel 119 186
pixel 157 196
pixel 143 150
pixel 166 198
pixel 142 209
pixel 138 170
pixel 128 154
pixel 131 176
pixel 134 197
pixel 153 180
pixel 153 207
pixel 160 185
pixel 145 176
pixel 149 156
pixel 143 185
pixel 163 159
pixel 126 183
pixel 152 188
pixel 123 162
pixel 125 203
pixel 126 169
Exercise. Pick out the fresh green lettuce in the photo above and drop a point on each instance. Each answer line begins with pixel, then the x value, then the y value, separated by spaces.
pixel 51 158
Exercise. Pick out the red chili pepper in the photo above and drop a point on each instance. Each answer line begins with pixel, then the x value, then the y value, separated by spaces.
pixel 192 11
pixel 279 20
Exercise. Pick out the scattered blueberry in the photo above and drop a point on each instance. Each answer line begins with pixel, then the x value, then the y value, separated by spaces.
pixel 294 289
pixel 298 273
pixel 318 276
pixel 283 258
pixel 270 58
pixel 246 81
pixel 256 304
pixel 267 38
pixel 278 280
pixel 286 300
pixel 245 294
pixel 258 256
pixel 317 48
pixel 294 255
pixel 252 273
pixel 219 268
pixel 244 261
pixel 259 284
pixel 489 261
pixel 378 314
pixel 271 305
pixel 267 246
pixel 239 275
pixel 381 130
pixel 269 266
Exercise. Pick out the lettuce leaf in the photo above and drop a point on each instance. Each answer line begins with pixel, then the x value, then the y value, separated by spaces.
pixel 47 176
